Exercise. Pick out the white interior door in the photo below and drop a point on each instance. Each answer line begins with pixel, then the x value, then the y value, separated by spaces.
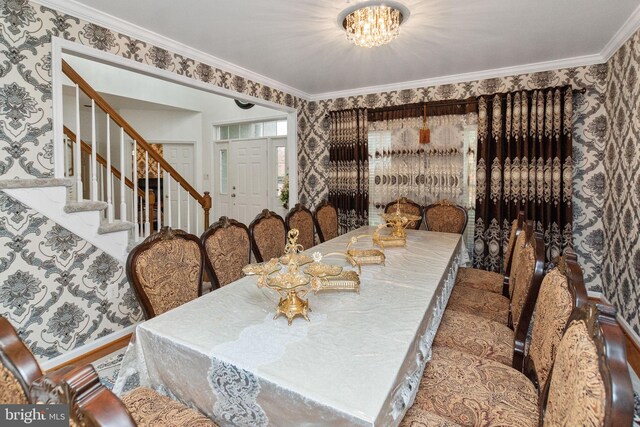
pixel 249 176
pixel 221 195
pixel 181 158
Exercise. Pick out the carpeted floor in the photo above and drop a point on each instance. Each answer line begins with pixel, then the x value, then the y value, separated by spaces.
pixel 109 366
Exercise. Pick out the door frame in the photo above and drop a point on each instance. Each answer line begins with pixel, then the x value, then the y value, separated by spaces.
pixel 60 46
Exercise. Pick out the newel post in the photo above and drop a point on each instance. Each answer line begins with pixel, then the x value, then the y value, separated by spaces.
pixel 206 206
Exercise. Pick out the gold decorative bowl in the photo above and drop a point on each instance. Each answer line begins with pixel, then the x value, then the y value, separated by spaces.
pixel 332 277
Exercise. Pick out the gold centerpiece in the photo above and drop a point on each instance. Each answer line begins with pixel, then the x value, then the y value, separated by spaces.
pixel 364 256
pixel 398 221
pixel 283 275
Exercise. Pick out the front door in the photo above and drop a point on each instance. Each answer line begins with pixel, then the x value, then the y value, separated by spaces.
pixel 248 176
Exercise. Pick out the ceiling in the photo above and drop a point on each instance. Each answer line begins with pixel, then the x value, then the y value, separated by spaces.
pixel 299 43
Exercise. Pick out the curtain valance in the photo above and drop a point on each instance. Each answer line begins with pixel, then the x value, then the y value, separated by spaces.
pixel 434 108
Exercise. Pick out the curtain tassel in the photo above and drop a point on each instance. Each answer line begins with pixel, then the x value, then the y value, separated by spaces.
pixel 425 133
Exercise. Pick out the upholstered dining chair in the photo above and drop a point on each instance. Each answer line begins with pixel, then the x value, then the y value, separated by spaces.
pixel 166 270
pixel 326 218
pixel 589 381
pixel 561 291
pixel 445 217
pixel 228 249
pixel 529 250
pixel 301 218
pixel 407 206
pixel 489 280
pixel 94 405
pixel 18 366
pixel 268 235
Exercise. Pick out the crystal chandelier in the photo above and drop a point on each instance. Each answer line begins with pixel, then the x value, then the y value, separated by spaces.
pixel 373 25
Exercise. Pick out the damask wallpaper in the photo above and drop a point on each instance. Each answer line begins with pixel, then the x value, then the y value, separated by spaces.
pixel 58 290
pixel 622 183
pixel 590 126
pixel 26 131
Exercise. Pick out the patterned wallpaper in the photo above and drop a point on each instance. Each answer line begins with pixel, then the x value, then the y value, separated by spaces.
pixel 590 125
pixel 26 132
pixel 622 184
pixel 58 290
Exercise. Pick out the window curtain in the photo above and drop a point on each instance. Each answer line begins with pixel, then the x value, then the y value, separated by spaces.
pixel 349 168
pixel 524 161
pixel 424 173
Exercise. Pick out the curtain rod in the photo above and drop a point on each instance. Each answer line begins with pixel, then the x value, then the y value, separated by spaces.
pixel 444 103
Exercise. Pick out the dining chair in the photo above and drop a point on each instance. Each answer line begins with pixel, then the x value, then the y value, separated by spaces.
pixel 18 367
pixel 526 270
pixel 407 206
pixel 94 405
pixel 561 291
pixel 445 217
pixel 489 280
pixel 228 249
pixel 301 218
pixel 588 384
pixel 326 218
pixel 268 234
pixel 166 270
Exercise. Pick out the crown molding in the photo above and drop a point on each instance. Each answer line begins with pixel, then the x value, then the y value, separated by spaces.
pixel 630 26
pixel 89 14
pixel 465 77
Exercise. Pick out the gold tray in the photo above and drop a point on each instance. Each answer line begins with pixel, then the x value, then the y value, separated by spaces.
pixel 390 241
pixel 367 256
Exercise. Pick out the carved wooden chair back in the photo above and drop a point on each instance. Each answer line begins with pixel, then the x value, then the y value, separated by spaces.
pixel 301 218
pixel 91 404
pixel 561 291
pixel 268 235
pixel 407 206
pixel 18 366
pixel 516 227
pixel 166 270
pixel 445 217
pixel 227 247
pixel 589 382
pixel 326 218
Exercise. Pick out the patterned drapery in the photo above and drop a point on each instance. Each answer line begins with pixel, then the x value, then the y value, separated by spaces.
pixel 402 167
pixel 524 162
pixel 349 167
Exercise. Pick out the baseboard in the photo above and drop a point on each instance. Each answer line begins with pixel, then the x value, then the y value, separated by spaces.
pixel 633 340
pixel 86 349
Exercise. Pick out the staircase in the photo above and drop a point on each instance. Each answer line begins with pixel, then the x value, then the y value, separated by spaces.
pixel 98 198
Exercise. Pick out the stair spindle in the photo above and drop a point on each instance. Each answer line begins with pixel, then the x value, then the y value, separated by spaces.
pixel 188 214
pixel 158 201
pixel 123 200
pixel 78 153
pixel 147 224
pixel 169 207
pixel 109 176
pixel 94 153
pixel 136 229
pixel 178 204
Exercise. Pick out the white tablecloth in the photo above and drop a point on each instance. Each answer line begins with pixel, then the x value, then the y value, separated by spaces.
pixel 357 362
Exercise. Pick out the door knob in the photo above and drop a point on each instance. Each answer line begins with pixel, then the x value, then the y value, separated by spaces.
pixel 233 194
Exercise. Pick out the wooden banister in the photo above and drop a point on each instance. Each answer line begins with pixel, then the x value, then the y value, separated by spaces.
pixel 86 148
pixel 142 143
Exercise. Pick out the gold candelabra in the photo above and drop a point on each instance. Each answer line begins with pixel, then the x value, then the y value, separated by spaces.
pixel 284 276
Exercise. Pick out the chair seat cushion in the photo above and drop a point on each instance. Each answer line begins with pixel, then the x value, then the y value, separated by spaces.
pixel 480 279
pixel 485 304
pixel 476 335
pixel 150 408
pixel 416 417
pixel 473 391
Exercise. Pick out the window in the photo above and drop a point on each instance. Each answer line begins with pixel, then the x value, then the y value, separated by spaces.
pixel 223 171
pixel 250 130
pixel 281 168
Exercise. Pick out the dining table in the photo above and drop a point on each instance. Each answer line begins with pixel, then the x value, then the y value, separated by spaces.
pixel 357 361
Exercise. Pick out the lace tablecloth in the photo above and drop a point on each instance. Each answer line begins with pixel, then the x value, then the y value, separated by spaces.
pixel 357 362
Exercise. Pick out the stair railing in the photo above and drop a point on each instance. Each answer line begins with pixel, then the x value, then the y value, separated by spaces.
pixel 138 206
